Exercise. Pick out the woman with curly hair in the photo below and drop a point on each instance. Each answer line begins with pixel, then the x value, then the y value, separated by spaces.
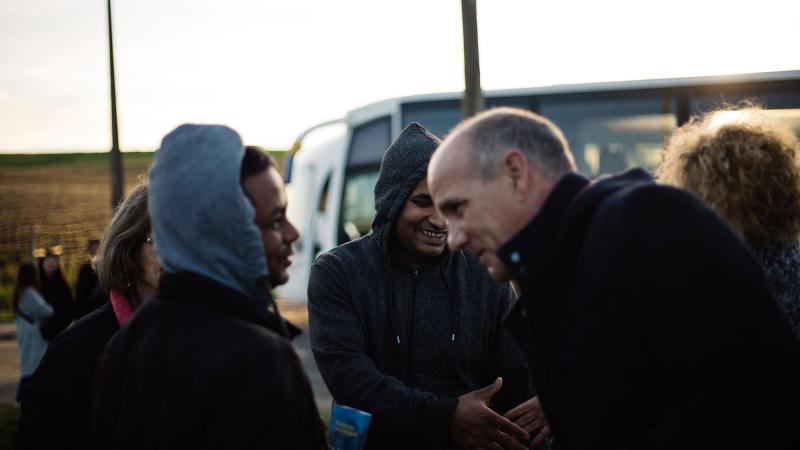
pixel 745 167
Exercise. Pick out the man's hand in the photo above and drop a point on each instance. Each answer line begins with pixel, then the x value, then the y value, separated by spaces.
pixel 530 417
pixel 476 426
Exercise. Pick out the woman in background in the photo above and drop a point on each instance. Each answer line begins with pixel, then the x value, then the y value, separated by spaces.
pixel 55 406
pixel 57 293
pixel 31 311
pixel 745 167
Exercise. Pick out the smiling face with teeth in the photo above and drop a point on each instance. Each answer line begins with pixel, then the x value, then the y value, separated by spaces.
pixel 420 232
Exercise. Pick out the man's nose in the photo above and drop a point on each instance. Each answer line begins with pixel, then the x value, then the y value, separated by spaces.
pixel 291 233
pixel 456 238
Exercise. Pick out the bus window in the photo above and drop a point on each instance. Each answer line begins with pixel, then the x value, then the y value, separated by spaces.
pixel 358 205
pixel 780 99
pixel 369 142
pixel 523 102
pixel 610 134
pixel 789 117
pixel 322 205
pixel 438 117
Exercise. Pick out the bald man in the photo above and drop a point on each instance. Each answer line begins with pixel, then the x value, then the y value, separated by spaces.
pixel 645 321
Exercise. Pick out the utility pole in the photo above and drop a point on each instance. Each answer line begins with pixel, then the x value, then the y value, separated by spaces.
pixel 473 97
pixel 116 158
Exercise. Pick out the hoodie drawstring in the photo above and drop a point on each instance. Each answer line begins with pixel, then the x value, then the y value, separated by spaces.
pixel 394 314
pixel 392 307
pixel 453 304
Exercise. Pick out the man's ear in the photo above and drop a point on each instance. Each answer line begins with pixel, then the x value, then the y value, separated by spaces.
pixel 515 166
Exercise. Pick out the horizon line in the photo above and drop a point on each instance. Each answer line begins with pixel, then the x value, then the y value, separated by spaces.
pixel 4 152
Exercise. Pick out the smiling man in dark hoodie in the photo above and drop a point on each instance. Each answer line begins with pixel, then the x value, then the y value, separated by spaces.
pixel 207 363
pixel 410 332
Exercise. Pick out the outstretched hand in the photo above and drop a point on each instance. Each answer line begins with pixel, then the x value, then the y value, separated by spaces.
pixel 530 417
pixel 475 425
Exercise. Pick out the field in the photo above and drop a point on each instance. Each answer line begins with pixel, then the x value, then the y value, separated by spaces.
pixel 57 200
pixel 65 199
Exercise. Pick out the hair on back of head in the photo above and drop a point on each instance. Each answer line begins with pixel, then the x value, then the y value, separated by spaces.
pixel 743 166
pixel 117 261
pixel 491 133
pixel 255 161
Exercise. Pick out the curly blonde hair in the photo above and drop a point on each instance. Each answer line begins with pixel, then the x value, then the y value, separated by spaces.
pixel 742 166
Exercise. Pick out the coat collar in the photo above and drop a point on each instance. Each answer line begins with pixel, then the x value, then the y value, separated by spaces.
pixel 531 252
pixel 193 288
pixel 557 231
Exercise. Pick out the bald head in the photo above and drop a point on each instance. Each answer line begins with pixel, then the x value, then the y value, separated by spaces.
pixel 489 134
pixel 491 176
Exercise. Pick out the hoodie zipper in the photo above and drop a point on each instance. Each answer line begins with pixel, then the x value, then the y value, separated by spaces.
pixel 411 313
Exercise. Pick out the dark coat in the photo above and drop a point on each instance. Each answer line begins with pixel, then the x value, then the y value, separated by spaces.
pixel 56 292
pixel 201 366
pixel 56 402
pixel 648 325
pixel 88 293
pixel 403 344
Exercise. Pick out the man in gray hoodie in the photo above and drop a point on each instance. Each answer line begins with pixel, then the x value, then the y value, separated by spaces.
pixel 207 362
pixel 411 332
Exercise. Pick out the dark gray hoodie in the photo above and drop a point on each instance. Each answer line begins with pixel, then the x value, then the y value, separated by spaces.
pixel 403 344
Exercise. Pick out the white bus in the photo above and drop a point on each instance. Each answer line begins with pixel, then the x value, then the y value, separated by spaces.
pixel 610 128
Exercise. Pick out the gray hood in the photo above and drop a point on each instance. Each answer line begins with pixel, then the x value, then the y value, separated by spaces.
pixel 202 221
pixel 404 164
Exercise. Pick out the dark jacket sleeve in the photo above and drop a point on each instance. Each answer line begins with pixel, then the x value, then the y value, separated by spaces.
pixel 709 322
pixel 506 359
pixel 340 350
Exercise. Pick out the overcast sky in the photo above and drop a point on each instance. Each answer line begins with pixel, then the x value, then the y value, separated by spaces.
pixel 273 68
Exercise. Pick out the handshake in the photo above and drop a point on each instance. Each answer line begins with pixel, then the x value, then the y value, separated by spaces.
pixel 476 426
